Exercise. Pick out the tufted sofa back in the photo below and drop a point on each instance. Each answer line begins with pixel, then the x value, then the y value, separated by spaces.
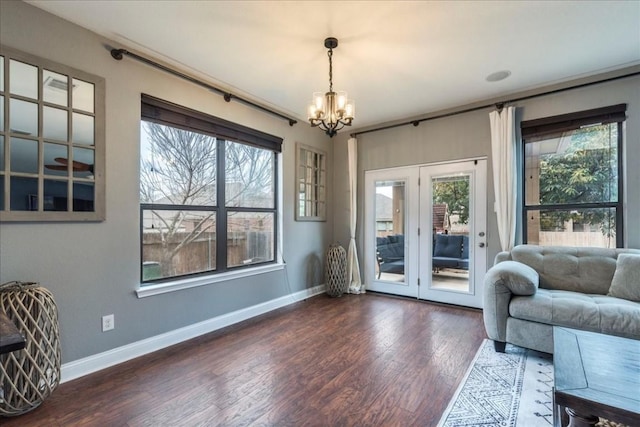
pixel 587 270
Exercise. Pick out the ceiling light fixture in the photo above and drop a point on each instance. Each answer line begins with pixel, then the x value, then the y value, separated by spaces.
pixel 498 75
pixel 331 111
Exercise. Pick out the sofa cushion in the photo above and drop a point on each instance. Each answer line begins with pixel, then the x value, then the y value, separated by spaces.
pixel 465 247
pixel 587 270
pixel 597 313
pixel 391 251
pixel 626 279
pixel 448 246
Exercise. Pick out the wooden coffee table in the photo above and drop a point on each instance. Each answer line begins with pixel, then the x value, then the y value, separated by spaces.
pixel 596 375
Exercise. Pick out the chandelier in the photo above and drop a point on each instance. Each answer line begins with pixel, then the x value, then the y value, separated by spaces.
pixel 331 111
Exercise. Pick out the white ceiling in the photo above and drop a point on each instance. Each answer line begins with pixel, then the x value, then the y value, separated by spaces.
pixel 396 59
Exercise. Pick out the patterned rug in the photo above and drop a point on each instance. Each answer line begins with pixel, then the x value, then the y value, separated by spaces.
pixel 511 389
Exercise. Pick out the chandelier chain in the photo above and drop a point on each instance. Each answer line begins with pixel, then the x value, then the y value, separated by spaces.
pixel 330 54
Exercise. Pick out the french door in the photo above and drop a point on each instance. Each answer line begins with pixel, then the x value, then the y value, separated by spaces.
pixel 426 231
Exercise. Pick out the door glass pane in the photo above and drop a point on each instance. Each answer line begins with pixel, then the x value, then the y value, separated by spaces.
pixel 390 215
pixel 451 249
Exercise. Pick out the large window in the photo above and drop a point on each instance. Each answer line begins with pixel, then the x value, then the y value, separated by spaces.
pixel 51 141
pixel 573 179
pixel 207 193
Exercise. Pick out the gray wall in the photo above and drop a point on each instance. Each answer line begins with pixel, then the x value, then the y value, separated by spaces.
pixel 92 269
pixel 468 135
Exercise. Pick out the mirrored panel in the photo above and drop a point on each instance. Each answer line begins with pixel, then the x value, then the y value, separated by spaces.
pixel 2 166
pixel 24 194
pixel 55 159
pixel 83 196
pixel 1 192
pixel 24 155
pixel 55 195
pixel 54 123
pixel 83 95
pixel 83 161
pixel 24 117
pixel 23 79
pixel 55 88
pixel 1 73
pixel 1 113
pixel 311 184
pixel 83 129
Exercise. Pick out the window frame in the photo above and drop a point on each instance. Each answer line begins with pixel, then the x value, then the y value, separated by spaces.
pixel 169 114
pixel 548 127
pixel 98 148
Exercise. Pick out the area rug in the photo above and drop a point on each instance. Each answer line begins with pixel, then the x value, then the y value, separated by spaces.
pixel 511 389
pixel 503 389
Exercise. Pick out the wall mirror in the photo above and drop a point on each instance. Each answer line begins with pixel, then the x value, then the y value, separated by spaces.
pixel 311 189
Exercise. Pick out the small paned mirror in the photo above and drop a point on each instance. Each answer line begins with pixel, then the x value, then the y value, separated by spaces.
pixel 311 187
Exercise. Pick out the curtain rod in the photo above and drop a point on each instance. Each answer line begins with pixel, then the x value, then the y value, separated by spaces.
pixel 498 105
pixel 118 54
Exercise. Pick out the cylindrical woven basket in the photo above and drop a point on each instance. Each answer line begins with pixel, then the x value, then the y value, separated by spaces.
pixel 336 270
pixel 30 375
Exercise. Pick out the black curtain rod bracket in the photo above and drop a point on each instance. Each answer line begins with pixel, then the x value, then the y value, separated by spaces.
pixel 118 54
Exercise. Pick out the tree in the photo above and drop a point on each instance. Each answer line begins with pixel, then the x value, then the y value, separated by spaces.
pixel 455 193
pixel 178 168
pixel 584 172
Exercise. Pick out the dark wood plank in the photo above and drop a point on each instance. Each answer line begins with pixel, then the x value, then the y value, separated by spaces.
pixel 364 360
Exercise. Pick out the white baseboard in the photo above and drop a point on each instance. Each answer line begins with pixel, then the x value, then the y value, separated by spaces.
pixel 81 367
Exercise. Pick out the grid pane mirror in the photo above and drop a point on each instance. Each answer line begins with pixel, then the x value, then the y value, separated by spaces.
pixel 311 189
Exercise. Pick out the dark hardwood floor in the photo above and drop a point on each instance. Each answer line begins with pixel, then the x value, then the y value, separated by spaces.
pixel 368 360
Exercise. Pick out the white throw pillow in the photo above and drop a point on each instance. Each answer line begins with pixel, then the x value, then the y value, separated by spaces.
pixel 626 279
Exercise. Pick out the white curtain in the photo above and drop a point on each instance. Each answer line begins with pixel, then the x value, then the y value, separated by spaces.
pixel 503 153
pixel 353 267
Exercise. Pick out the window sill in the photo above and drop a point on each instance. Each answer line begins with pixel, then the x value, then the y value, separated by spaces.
pixel 177 285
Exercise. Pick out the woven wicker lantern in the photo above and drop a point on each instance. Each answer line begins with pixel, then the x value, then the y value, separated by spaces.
pixel 30 375
pixel 336 270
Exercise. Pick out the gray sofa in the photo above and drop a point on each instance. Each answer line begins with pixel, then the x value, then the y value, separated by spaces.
pixel 532 288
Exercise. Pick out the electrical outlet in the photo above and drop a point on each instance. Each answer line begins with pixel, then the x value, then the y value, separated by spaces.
pixel 107 322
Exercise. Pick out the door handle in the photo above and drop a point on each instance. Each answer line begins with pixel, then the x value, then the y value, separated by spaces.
pixel 481 244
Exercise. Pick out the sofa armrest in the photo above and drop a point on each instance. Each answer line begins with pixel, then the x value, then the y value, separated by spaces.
pixel 501 282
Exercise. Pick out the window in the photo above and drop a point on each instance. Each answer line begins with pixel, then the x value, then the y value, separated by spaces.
pixel 572 182
pixel 311 182
pixel 208 192
pixel 51 141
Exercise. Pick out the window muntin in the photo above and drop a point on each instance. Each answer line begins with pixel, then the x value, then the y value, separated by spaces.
pixel 44 175
pixel 207 203
pixel 572 183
